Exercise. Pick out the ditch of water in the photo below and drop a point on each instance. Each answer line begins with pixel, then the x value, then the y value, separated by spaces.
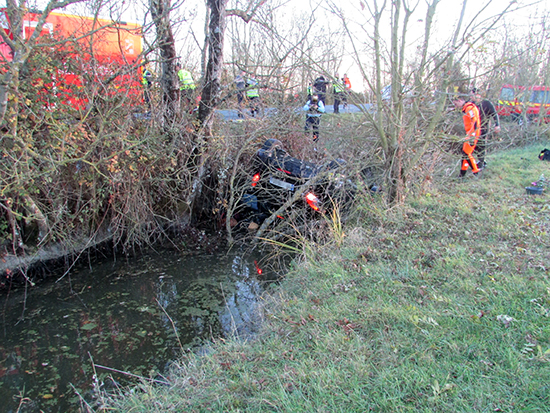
pixel 121 314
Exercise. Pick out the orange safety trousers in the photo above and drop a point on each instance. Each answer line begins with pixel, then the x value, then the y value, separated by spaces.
pixel 469 159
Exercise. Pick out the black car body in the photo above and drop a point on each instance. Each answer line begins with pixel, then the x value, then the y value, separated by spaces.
pixel 281 183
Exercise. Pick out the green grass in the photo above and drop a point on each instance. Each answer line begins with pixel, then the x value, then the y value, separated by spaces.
pixel 405 311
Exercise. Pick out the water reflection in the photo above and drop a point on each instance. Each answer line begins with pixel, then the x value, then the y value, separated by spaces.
pixel 133 316
pixel 237 318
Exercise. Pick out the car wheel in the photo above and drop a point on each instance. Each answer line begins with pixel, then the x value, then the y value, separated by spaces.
pixel 272 144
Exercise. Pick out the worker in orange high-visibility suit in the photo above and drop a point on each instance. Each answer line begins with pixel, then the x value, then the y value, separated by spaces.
pixel 472 124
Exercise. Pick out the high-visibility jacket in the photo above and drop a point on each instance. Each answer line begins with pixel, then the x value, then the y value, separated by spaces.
pixel 472 124
pixel 186 80
pixel 347 82
pixel 252 89
pixel 338 87
pixel 146 77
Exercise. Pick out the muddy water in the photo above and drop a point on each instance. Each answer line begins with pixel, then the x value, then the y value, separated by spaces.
pixel 134 316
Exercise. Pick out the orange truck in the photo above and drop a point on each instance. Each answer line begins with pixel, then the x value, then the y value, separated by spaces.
pixel 102 48
pixel 516 101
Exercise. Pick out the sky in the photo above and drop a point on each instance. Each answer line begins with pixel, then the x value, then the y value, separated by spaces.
pixel 356 14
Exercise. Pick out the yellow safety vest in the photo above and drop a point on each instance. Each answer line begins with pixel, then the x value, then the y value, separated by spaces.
pixel 186 80
pixel 252 89
pixel 338 87
pixel 145 78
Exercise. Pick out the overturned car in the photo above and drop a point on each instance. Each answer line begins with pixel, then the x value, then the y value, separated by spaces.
pixel 282 186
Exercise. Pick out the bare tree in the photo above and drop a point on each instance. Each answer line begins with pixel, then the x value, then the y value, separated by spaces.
pixel 20 50
pixel 407 123
pixel 165 42
pixel 211 87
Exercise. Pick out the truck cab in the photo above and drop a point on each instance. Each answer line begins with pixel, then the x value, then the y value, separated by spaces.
pixel 524 102
pixel 97 50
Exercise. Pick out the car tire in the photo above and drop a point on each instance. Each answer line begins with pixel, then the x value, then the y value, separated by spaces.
pixel 272 144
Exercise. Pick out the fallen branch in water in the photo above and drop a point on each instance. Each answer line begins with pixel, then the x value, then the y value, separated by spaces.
pixel 132 375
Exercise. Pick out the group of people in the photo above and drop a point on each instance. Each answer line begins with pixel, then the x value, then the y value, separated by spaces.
pixel 479 116
pixel 316 95
pixel 247 91
pixel 187 86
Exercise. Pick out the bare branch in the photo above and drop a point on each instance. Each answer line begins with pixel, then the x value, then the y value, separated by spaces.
pixel 248 14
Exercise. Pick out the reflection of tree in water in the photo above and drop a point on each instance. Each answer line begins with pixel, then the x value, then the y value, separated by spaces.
pixel 115 319
pixel 240 315
pixel 210 303
pixel 193 308
pixel 167 295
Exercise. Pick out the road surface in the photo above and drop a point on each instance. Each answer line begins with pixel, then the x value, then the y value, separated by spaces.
pixel 232 114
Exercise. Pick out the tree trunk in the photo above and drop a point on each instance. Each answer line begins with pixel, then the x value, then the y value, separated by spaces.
pixel 396 178
pixel 160 11
pixel 16 240
pixel 211 85
pixel 39 217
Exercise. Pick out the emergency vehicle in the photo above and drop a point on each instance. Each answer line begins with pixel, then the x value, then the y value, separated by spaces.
pixel 514 101
pixel 99 51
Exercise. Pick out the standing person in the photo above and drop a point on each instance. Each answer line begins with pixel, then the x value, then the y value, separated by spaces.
pixel 146 81
pixel 309 91
pixel 347 91
pixel 253 95
pixel 338 91
pixel 187 85
pixel 488 117
pixel 314 108
pixel 472 123
pixel 320 88
pixel 240 85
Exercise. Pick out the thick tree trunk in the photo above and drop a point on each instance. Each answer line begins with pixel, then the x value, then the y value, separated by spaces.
pixel 210 94
pixel 39 217
pixel 160 11
pixel 211 88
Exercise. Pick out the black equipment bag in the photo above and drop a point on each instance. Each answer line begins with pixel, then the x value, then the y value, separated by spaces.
pixel 545 155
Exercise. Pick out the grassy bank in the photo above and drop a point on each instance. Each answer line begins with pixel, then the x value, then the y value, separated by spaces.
pixel 440 306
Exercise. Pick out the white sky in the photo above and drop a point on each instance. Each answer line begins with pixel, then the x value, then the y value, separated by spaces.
pixel 446 19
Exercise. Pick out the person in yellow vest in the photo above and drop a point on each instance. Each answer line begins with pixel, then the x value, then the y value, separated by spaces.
pixel 253 95
pixel 309 91
pixel 146 81
pixel 338 92
pixel 187 85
